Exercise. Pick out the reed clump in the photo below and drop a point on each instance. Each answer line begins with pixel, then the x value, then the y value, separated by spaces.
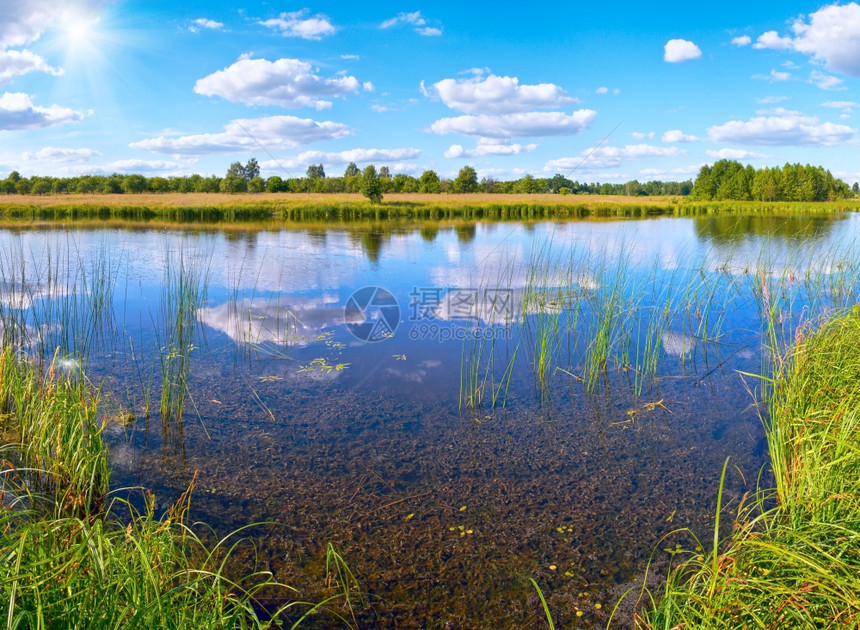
pixel 793 559
pixel 73 556
pixel 194 208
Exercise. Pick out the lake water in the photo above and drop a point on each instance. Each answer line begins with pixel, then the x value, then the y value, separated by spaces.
pixel 456 408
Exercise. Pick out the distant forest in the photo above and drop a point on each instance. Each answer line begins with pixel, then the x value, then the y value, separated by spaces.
pixel 726 179
pixel 246 178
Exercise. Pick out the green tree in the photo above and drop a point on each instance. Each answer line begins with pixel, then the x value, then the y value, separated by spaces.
pixel 252 169
pixel 371 186
pixel 316 171
pixel 134 184
pixel 467 180
pixel 113 185
pixel 633 188
pixel 233 184
pixel 40 186
pixel 351 170
pixel 236 170
pixel 527 185
pixel 429 182
pixel 256 184
pixel 276 184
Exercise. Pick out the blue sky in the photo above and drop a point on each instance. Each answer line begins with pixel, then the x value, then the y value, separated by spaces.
pixel 608 91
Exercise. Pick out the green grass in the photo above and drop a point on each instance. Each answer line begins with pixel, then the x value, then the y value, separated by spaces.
pixel 793 559
pixel 73 556
pixel 202 208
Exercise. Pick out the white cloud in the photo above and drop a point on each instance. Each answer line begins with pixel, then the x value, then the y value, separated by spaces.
pixel 611 157
pixel 603 90
pixel 770 100
pixel 735 154
pixel 678 50
pixel 489 146
pixel 840 104
pixel 778 111
pixel 350 57
pixel 527 124
pixel 773 77
pixel 17 111
pixel 359 156
pixel 379 108
pixel 276 133
pixel 134 167
pixel 367 86
pixel 676 135
pixel 830 36
pixel 782 127
pixel 639 135
pixel 55 154
pixel 499 95
pixel 415 20
pixel 682 171
pixel 289 83
pixel 297 24
pixel 205 23
pixel 743 40
pixel 15 63
pixel 772 39
pixel 825 81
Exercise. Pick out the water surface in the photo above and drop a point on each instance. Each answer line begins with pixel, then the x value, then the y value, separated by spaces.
pixel 434 400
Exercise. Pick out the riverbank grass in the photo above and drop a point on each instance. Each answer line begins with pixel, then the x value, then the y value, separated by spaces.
pixel 73 555
pixel 793 559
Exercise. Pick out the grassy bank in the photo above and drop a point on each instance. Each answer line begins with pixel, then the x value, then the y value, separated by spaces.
pixel 793 559
pixel 216 207
pixel 73 556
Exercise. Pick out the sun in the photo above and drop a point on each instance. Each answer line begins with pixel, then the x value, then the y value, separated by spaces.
pixel 80 32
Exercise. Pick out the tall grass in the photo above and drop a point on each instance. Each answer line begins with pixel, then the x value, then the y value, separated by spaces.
pixel 53 298
pixel 58 458
pixel 792 560
pixel 72 556
pixel 184 290
pixel 204 208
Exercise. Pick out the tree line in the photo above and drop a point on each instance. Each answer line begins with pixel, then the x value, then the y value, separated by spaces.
pixel 371 182
pixel 728 179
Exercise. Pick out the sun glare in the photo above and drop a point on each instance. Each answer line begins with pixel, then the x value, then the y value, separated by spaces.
pixel 80 31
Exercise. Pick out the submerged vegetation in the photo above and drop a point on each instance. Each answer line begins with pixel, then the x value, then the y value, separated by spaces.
pixel 73 554
pixel 792 559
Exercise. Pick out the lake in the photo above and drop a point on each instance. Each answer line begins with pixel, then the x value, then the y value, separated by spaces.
pixel 457 407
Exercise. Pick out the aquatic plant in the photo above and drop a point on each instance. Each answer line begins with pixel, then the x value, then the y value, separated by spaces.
pixel 791 559
pixel 184 290
pixel 71 555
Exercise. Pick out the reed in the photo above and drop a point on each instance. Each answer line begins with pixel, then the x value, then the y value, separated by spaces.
pixel 73 556
pixel 57 456
pixel 184 290
pixel 53 298
pixel 792 558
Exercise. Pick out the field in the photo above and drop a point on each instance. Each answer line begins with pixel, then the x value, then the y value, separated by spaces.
pixel 221 200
